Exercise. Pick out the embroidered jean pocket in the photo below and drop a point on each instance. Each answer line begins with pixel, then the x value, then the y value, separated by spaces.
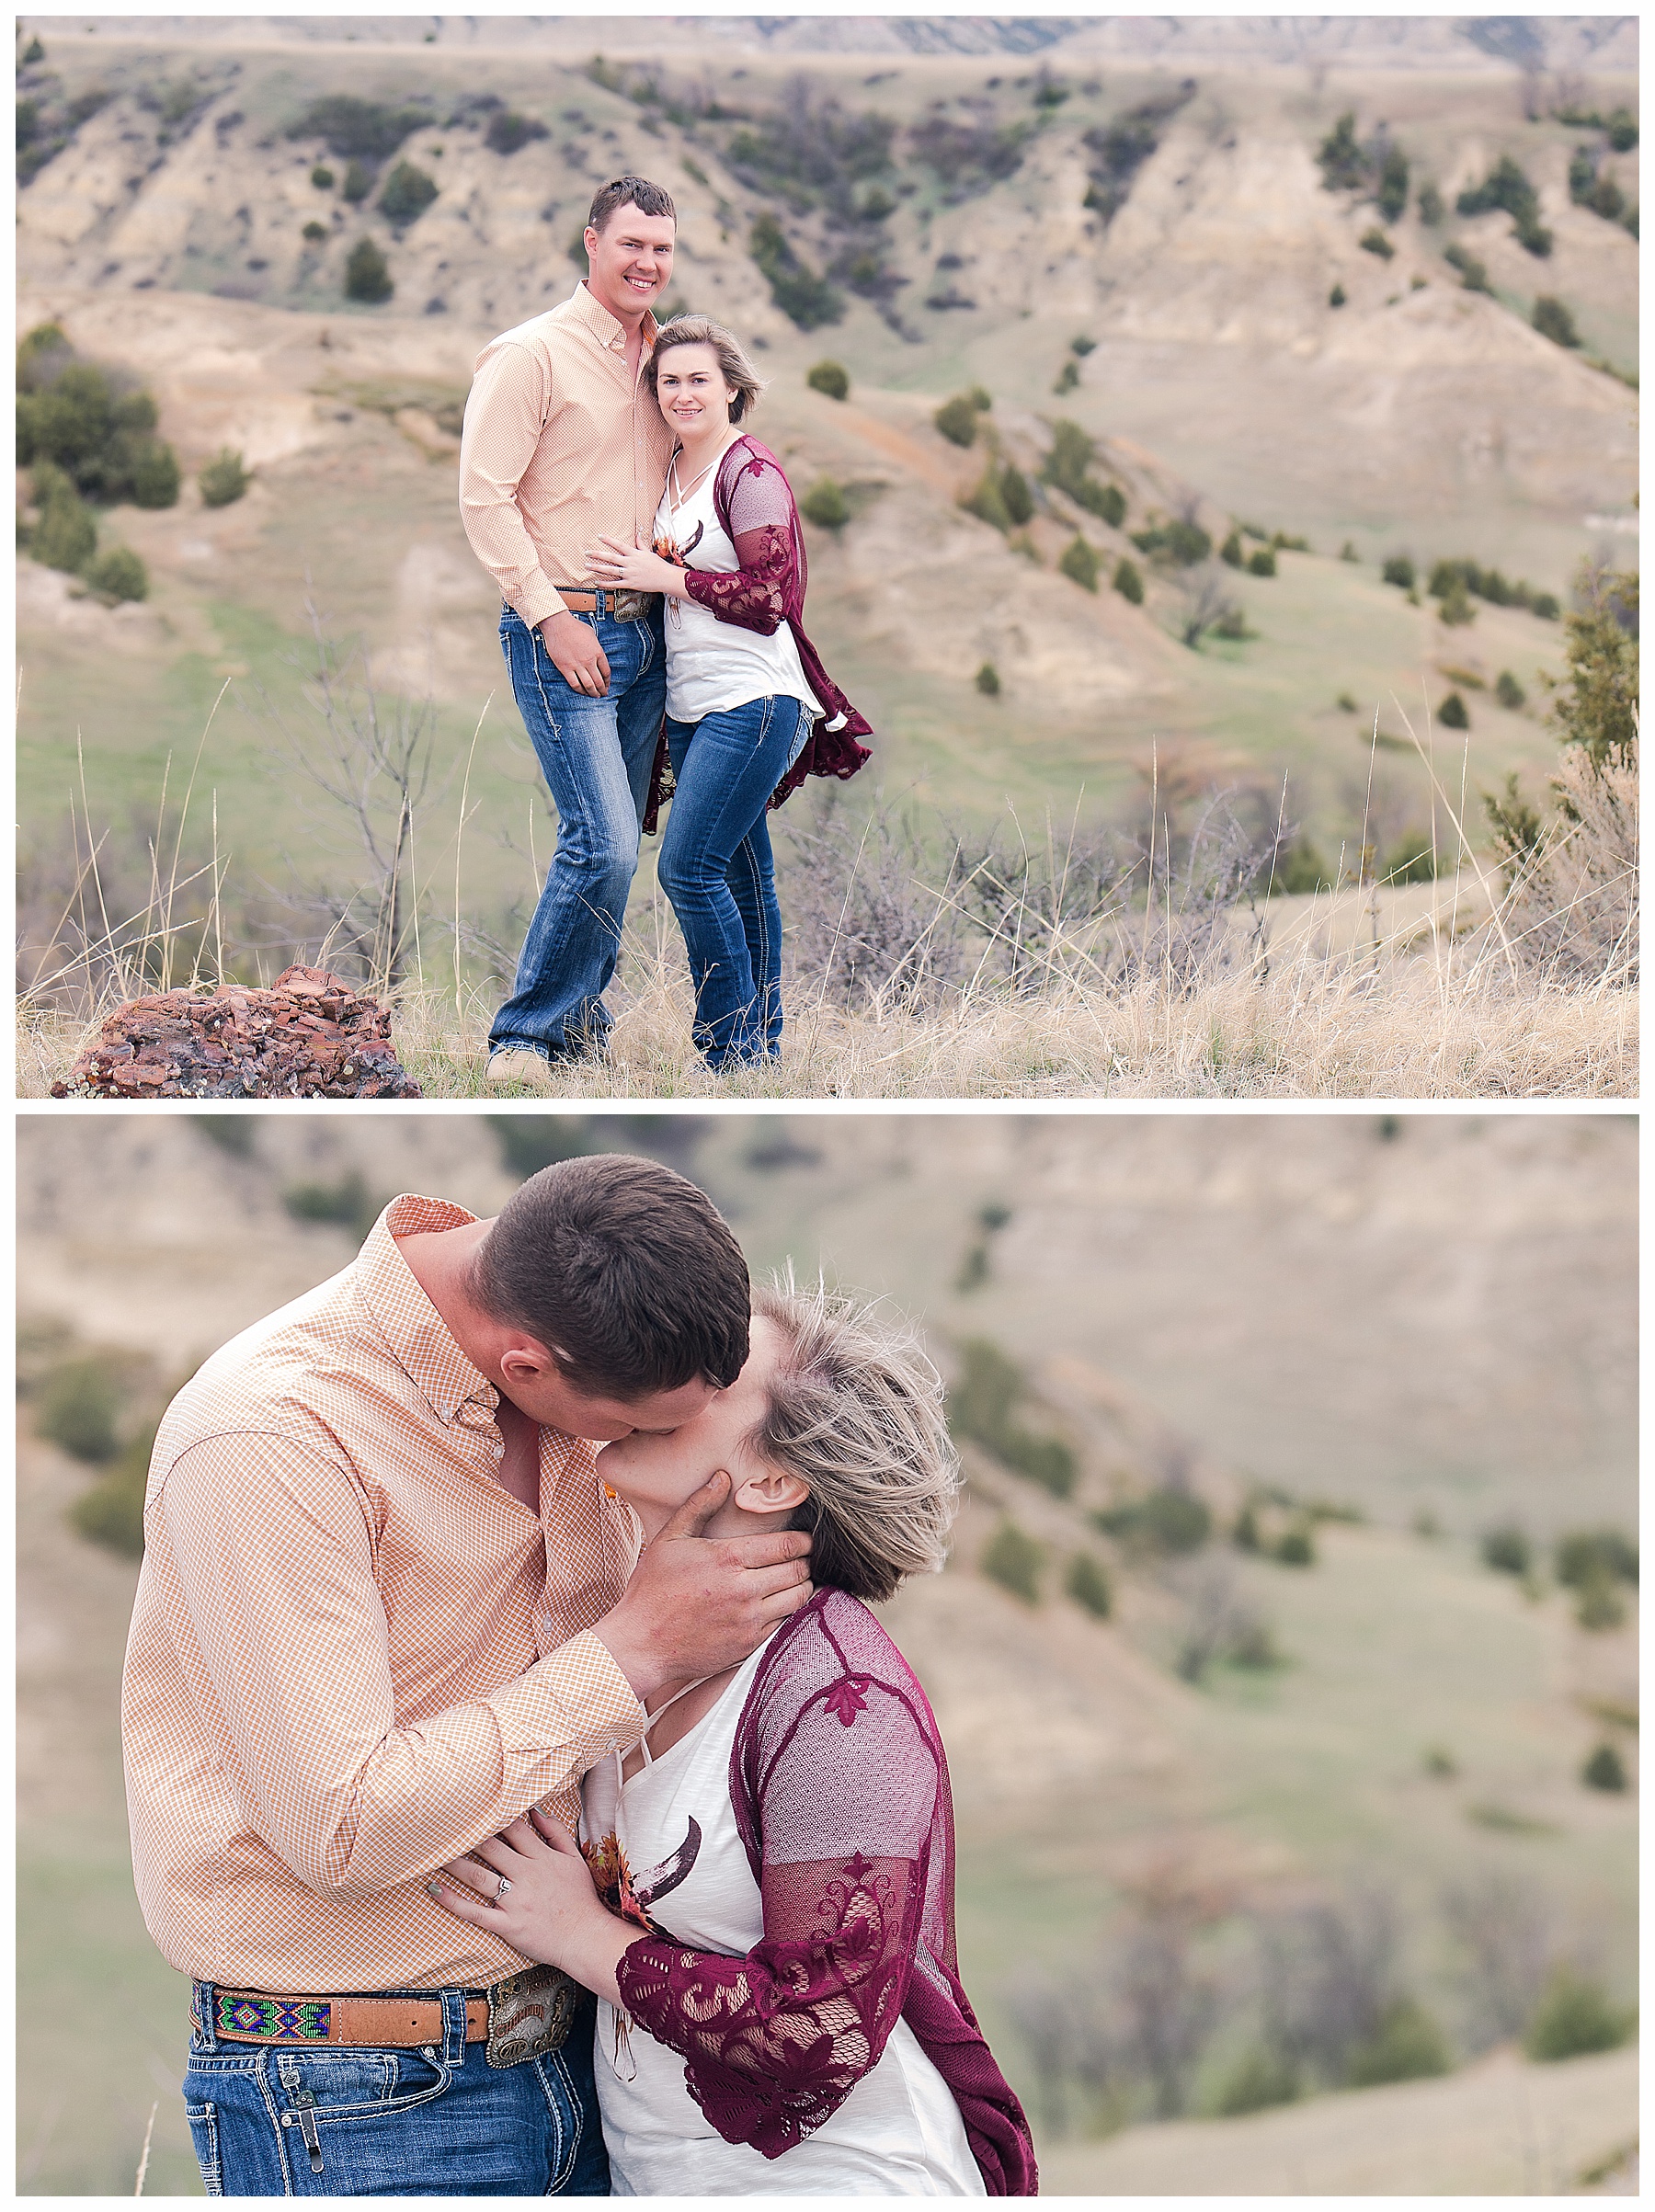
pixel 203 2132
pixel 348 2080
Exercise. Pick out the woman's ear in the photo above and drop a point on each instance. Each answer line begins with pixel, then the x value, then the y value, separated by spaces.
pixel 774 1491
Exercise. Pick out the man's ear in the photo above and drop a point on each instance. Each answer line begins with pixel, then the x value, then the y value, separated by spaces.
pixel 774 1491
pixel 526 1361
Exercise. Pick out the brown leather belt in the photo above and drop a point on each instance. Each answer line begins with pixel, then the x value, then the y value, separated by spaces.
pixel 524 2016
pixel 619 606
pixel 405 2023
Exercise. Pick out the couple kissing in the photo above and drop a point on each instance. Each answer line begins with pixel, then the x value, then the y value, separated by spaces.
pixel 515 1766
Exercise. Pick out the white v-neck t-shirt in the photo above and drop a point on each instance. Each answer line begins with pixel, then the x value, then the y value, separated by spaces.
pixel 899 2131
pixel 712 666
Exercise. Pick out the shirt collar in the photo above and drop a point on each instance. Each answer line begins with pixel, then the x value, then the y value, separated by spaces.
pixel 608 329
pixel 413 1329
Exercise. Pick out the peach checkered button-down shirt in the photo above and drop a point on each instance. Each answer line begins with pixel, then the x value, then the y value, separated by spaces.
pixel 354 1653
pixel 560 444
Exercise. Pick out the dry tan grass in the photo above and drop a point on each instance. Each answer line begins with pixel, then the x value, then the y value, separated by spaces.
pixel 1463 988
pixel 1573 905
pixel 1385 1022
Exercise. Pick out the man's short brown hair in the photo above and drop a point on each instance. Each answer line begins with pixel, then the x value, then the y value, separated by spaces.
pixel 648 199
pixel 626 1272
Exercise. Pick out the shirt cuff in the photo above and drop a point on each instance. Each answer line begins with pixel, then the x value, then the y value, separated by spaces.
pixel 538 602
pixel 575 1702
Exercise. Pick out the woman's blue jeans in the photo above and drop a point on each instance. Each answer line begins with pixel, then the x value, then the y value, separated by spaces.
pixel 596 755
pixel 439 2121
pixel 717 870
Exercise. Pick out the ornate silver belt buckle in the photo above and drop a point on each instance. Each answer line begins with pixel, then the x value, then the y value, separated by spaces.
pixel 529 2014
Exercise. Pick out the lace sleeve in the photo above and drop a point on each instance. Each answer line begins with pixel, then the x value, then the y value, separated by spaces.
pixel 754 596
pixel 773 2043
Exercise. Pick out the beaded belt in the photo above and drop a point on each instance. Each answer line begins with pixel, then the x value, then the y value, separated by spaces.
pixel 522 2017
pixel 619 606
pixel 406 2022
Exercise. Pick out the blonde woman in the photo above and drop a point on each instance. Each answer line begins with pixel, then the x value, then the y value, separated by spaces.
pixel 751 710
pixel 765 1903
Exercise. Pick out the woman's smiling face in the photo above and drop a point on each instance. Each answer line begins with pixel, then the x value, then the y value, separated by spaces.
pixel 690 389
pixel 658 1472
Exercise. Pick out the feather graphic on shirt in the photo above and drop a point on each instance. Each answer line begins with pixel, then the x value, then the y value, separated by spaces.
pixel 630 1896
pixel 667 550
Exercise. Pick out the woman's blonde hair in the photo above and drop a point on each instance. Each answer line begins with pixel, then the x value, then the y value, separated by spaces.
pixel 856 1411
pixel 738 372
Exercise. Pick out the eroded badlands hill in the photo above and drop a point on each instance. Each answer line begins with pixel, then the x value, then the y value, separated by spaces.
pixel 969 211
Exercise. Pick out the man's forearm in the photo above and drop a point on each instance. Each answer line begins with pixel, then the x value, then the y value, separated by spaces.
pixel 427 1793
pixel 494 527
pixel 287 1637
pixel 504 418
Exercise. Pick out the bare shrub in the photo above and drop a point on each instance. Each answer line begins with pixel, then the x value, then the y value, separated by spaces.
pixel 1207 604
pixel 1031 906
pixel 1165 2007
pixel 880 910
pixel 1137 2015
pixel 1050 2035
pixel 1218 1622
pixel 1573 897
pixel 1503 1930
pixel 370 756
pixel 111 911
pixel 1327 1973
pixel 864 917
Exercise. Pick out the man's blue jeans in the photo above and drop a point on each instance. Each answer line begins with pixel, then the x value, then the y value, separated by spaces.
pixel 432 2122
pixel 717 869
pixel 596 755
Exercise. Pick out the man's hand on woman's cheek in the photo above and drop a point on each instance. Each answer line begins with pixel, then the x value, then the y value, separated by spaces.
pixel 697 1605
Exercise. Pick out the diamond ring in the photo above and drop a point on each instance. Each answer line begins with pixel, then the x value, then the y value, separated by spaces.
pixel 501 1887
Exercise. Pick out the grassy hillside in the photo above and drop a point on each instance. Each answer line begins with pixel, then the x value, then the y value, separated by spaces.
pixel 1239 1307
pixel 1499 2129
pixel 978 217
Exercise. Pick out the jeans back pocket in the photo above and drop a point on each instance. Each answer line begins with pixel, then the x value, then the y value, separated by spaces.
pixel 203 2134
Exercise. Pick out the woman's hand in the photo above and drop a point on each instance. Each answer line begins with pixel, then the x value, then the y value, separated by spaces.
pixel 550 1909
pixel 635 569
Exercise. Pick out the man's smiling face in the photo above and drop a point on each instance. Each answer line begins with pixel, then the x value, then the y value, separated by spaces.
pixel 630 261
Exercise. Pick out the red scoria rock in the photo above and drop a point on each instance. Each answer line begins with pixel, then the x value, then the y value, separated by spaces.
pixel 308 1037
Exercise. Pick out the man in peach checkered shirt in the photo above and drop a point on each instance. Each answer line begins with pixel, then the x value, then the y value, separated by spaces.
pixel 564 443
pixel 386 1605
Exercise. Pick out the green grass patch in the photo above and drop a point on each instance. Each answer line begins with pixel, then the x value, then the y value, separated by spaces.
pixel 108 2025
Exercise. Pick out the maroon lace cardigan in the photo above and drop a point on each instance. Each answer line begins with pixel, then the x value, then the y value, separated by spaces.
pixel 841 1798
pixel 756 509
